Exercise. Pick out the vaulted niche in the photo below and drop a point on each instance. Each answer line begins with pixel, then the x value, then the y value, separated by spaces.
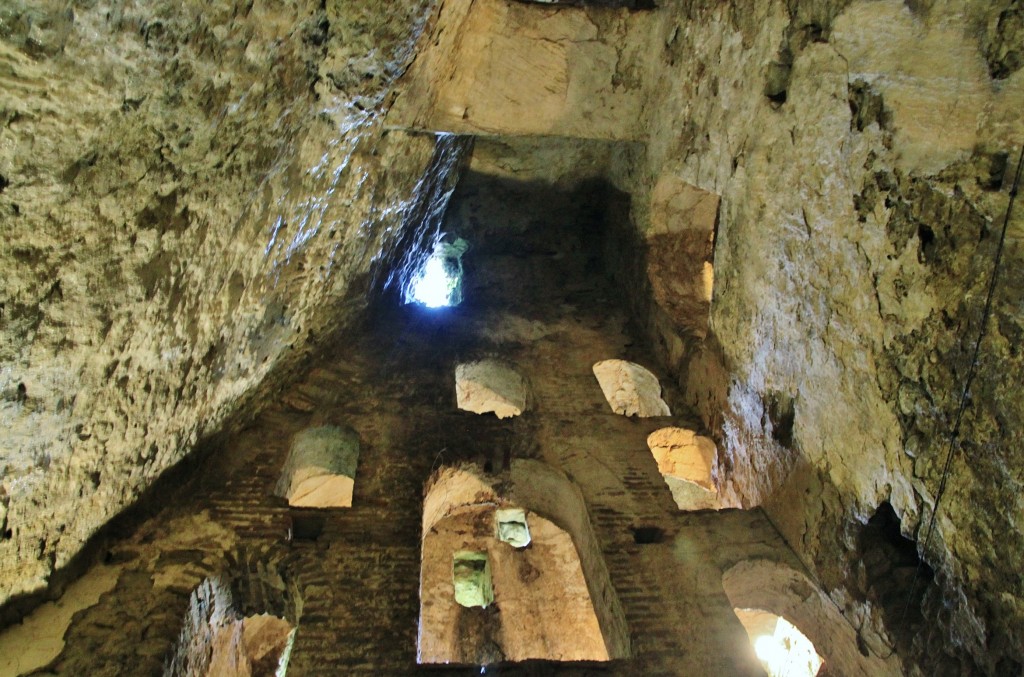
pixel 512 574
pixel 791 622
pixel 221 638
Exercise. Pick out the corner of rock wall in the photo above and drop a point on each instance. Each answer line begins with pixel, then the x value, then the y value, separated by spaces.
pixel 863 173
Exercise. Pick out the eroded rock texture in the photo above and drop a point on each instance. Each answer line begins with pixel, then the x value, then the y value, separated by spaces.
pixel 857 226
pixel 190 195
pixel 189 191
pixel 858 156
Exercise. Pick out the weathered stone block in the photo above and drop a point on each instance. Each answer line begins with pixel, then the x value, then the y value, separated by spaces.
pixel 321 468
pixel 630 389
pixel 490 386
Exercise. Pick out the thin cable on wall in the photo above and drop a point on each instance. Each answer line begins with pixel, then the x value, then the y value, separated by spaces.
pixel 971 372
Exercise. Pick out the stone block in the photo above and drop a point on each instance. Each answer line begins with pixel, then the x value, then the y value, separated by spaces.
pixel 631 390
pixel 321 468
pixel 490 386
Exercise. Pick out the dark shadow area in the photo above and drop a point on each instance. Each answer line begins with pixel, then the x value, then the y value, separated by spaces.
pixel 648 535
pixel 896 577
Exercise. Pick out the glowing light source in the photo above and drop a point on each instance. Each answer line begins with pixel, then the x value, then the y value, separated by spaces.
pixel 433 286
pixel 787 652
pixel 439 282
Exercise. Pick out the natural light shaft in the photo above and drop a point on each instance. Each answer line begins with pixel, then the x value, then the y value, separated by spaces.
pixel 433 286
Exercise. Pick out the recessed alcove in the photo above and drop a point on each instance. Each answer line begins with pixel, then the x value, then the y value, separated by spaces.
pixel 783 650
pixel 488 595
pixel 780 590
pixel 220 640
pixel 895 580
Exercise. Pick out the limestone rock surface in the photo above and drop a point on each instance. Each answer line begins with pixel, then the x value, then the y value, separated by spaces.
pixel 192 195
pixel 862 172
pixel 495 67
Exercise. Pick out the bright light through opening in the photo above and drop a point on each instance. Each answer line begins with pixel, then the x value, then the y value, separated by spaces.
pixel 433 286
pixel 439 282
pixel 783 650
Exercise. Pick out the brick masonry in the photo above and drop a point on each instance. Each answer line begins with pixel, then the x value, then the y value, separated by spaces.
pixel 349 577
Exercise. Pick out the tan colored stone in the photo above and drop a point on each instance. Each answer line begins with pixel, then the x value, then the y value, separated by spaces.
pixel 177 228
pixel 631 390
pixel 265 638
pixel 684 454
pixel 490 386
pixel 320 469
pixel 554 596
pixel 494 67
pixel 545 614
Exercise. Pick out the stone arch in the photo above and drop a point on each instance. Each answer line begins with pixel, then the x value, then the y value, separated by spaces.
pixel 554 596
pixel 783 591
pixel 220 639
pixel 241 620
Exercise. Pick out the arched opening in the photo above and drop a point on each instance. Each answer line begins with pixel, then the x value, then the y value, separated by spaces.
pixel 687 462
pixel 438 282
pixel 219 640
pixel 783 650
pixel 776 590
pixel 501 582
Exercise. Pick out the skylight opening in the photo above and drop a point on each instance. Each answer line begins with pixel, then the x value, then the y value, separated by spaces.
pixel 439 282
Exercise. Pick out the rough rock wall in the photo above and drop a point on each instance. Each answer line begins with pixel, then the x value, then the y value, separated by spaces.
pixel 191 193
pixel 862 154
pixel 497 67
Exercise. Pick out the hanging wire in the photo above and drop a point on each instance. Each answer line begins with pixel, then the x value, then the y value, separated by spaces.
pixel 965 394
